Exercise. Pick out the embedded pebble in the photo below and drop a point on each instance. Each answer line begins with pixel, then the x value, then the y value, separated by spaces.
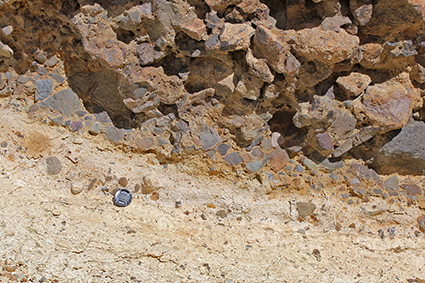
pixel 76 190
pixel 305 209
pixel 53 165
pixel 374 208
pixel 123 181
pixel 421 222
pixel 221 213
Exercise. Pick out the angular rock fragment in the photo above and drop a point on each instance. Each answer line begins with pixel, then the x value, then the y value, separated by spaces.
pixel 233 158
pixel 334 23
pixel 44 89
pixel 168 88
pixel 209 138
pixel 271 45
pixel 354 84
pixel 259 67
pixel 194 28
pixel 5 50
pixel 278 159
pixel 65 101
pixel 305 209
pixel 132 18
pixel 235 36
pixel 405 153
pixel 327 46
pixel 148 54
pixel 389 105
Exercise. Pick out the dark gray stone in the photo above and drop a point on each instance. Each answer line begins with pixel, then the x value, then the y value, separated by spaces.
pixel 103 117
pixel 331 166
pixel 405 153
pixel 113 134
pixel 223 148
pixel 233 158
pixel 255 142
pixel 148 54
pixel 57 78
pixel 53 165
pixel 209 138
pixel 211 20
pixel 391 184
pixel 212 42
pixel 95 129
pixel 44 89
pixel 254 166
pixel 299 168
pixel 52 61
pixel 65 101
pixel 58 120
pixel 22 79
pixel 42 70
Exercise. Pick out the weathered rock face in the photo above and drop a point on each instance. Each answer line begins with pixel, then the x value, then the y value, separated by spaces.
pixel 214 77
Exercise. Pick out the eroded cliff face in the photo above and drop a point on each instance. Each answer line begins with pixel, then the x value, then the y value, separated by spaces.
pixel 247 83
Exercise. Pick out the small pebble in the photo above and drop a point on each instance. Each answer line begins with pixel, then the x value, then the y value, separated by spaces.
pixel 381 233
pixel 392 231
pixel 178 203
pixel 299 168
pixel 137 188
pixel 3 144
pixel 421 222
pixel 76 190
pixel 53 165
pixel 338 226
pixel 203 216
pixel 221 213
pixel 123 181
pixel 316 254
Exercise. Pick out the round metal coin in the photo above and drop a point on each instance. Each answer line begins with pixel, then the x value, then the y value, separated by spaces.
pixel 122 197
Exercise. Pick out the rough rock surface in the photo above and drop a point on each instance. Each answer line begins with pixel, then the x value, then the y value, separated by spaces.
pixel 291 96
pixel 239 67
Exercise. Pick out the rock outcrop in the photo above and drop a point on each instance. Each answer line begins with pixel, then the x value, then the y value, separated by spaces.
pixel 219 77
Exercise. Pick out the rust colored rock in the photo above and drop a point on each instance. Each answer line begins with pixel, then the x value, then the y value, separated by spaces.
pixel 271 45
pixel 221 5
pixel 389 105
pixel 235 36
pixel 249 86
pixel 334 23
pixel 370 55
pixel 326 46
pixel 392 17
pixel 123 181
pixel 354 84
pixel 194 28
pixel 278 159
pixel 259 67
pixel 168 88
